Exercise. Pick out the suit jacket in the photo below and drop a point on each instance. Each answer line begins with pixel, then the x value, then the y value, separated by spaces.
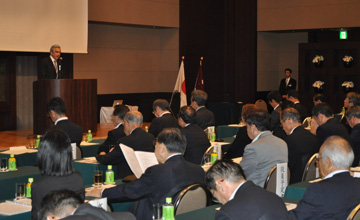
pixel 330 128
pixel 74 131
pixel 262 155
pixel 301 146
pixel 236 149
pixel 283 88
pixel 275 118
pixel 197 143
pixel 302 110
pixel 138 140
pixel 355 141
pixel 204 118
pixel 47 69
pixel 346 124
pixel 157 183
pixel 88 212
pixel 332 198
pixel 112 139
pixel 253 202
pixel 165 121
pixel 41 187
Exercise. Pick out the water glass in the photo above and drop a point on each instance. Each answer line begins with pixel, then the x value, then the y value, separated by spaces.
pixel 157 211
pixel 4 164
pixel 98 178
pixel 20 191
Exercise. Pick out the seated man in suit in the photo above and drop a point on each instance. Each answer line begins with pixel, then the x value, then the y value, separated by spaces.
pixel 65 204
pixel 197 140
pixel 50 66
pixel 166 179
pixel 118 132
pixel 164 119
pixel 57 112
pixel 338 193
pixel 293 96
pixel 241 199
pixel 352 99
pixel 274 99
pixel 287 83
pixel 326 125
pixel 204 117
pixel 265 150
pixel 353 118
pixel 301 143
pixel 136 138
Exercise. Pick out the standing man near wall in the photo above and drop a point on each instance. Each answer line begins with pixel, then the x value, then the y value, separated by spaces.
pixel 287 83
pixel 51 66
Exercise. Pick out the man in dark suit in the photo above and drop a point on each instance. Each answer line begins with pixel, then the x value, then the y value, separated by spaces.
pixel 353 118
pixel 114 135
pixel 352 99
pixel 65 204
pixel 293 96
pixel 301 143
pixel 197 140
pixel 167 179
pixel 287 83
pixel 57 112
pixel 241 199
pixel 51 66
pixel 338 193
pixel 164 119
pixel 204 117
pixel 274 99
pixel 327 124
pixel 136 138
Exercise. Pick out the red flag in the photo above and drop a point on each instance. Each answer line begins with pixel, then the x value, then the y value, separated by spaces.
pixel 180 85
pixel 199 83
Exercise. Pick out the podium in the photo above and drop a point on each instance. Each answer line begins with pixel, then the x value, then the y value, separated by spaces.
pixel 80 98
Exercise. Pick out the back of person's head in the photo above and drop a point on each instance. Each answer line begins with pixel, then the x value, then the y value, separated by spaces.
pixel 162 104
pixel 322 108
pixel 274 95
pixel 134 117
pixel 223 170
pixel 288 69
pixel 286 104
pixel 187 114
pixel 247 108
pixel 173 139
pixel 259 118
pixel 59 203
pixel 319 97
pixel 57 105
pixel 54 157
pixel 354 98
pixel 199 97
pixel 338 150
pixel 293 93
pixel 292 114
pixel 120 111
pixel 353 111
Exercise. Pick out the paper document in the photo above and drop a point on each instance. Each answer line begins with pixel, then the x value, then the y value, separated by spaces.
pixel 88 160
pixel 19 150
pixel 138 161
pixel 83 143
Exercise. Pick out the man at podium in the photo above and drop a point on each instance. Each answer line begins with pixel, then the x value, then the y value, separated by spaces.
pixel 51 66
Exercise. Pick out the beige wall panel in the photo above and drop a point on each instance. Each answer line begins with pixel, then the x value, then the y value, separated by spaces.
pixel 307 14
pixel 268 61
pixel 266 81
pixel 137 12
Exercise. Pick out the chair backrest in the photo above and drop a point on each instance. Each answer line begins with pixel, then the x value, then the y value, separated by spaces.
pixel 354 214
pixel 261 104
pixel 307 122
pixel 206 154
pixel 192 198
pixel 270 181
pixel 310 169
pixel 77 154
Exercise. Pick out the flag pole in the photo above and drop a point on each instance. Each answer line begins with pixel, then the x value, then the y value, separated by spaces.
pixel 172 95
pixel 197 76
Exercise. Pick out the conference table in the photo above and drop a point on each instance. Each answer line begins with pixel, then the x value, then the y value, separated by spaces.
pixel 224 131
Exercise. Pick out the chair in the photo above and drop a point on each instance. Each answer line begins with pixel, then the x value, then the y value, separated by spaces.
pixel 310 169
pixel 354 214
pixel 261 104
pixel 307 122
pixel 206 155
pixel 270 181
pixel 192 198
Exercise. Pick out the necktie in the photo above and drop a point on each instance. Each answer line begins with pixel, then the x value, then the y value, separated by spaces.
pixel 56 68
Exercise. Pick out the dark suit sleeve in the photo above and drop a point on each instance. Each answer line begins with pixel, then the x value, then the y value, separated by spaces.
pixel 114 157
pixel 220 215
pixel 110 140
pixel 154 127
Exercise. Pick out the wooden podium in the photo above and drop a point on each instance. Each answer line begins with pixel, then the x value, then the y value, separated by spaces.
pixel 79 95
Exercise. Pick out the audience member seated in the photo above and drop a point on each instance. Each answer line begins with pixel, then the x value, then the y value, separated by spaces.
pixel 319 98
pixel 168 178
pixel 164 119
pixel 55 163
pixel 118 132
pixel 241 199
pixel 279 131
pixel 327 124
pixel 196 138
pixel 57 112
pixel 338 193
pixel 65 204
pixel 301 143
pixel 293 96
pixel 236 149
pixel 265 150
pixel 352 99
pixel 136 138
pixel 204 117
pixel 353 118
pixel 274 99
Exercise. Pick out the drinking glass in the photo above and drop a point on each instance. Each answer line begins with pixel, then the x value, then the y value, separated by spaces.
pixel 20 191
pixel 157 211
pixel 4 164
pixel 98 178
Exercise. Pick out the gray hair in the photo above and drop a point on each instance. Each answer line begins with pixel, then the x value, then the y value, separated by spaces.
pixel 338 150
pixel 199 96
pixel 53 47
pixel 134 117
pixel 290 113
